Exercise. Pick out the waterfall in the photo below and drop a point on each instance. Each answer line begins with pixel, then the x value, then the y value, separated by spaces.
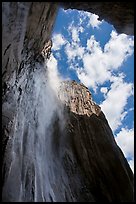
pixel 29 156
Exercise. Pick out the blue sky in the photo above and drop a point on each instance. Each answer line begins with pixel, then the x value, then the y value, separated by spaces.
pixel 92 52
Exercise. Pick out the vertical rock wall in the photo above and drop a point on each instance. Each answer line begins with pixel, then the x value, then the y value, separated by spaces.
pixel 26 28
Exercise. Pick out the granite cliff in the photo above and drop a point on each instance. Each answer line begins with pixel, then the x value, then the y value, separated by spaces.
pixel 56 145
pixel 92 154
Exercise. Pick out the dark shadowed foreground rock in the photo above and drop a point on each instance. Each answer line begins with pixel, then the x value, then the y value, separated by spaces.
pixel 53 148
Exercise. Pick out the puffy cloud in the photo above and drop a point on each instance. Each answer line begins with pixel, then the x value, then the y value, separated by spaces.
pixel 93 20
pixel 125 140
pixel 94 69
pixel 72 48
pixel 116 100
pixel 74 31
pixel 58 41
pixel 117 50
pixel 73 51
pixel 99 64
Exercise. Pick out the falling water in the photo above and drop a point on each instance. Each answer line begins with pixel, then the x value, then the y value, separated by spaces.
pixel 30 161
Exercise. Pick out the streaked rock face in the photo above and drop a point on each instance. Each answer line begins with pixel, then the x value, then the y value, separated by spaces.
pixel 26 28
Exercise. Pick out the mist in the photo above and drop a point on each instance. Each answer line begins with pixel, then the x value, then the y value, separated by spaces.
pixel 29 153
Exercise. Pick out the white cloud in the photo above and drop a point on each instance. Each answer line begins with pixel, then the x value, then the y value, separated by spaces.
pixel 74 31
pixel 94 68
pixel 93 20
pixel 75 34
pixel 125 140
pixel 58 41
pixel 93 46
pixel 90 19
pixel 116 100
pixel 117 50
pixel 74 50
pixel 99 64
pixel 104 90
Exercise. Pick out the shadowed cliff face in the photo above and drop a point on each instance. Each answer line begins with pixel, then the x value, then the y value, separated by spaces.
pixel 54 148
pixel 26 28
pixel 96 159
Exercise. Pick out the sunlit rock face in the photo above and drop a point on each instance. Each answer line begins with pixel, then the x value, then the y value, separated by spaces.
pixel 57 145
pixel 78 98
pixel 119 14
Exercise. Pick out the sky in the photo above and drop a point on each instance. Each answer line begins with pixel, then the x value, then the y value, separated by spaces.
pixel 93 53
